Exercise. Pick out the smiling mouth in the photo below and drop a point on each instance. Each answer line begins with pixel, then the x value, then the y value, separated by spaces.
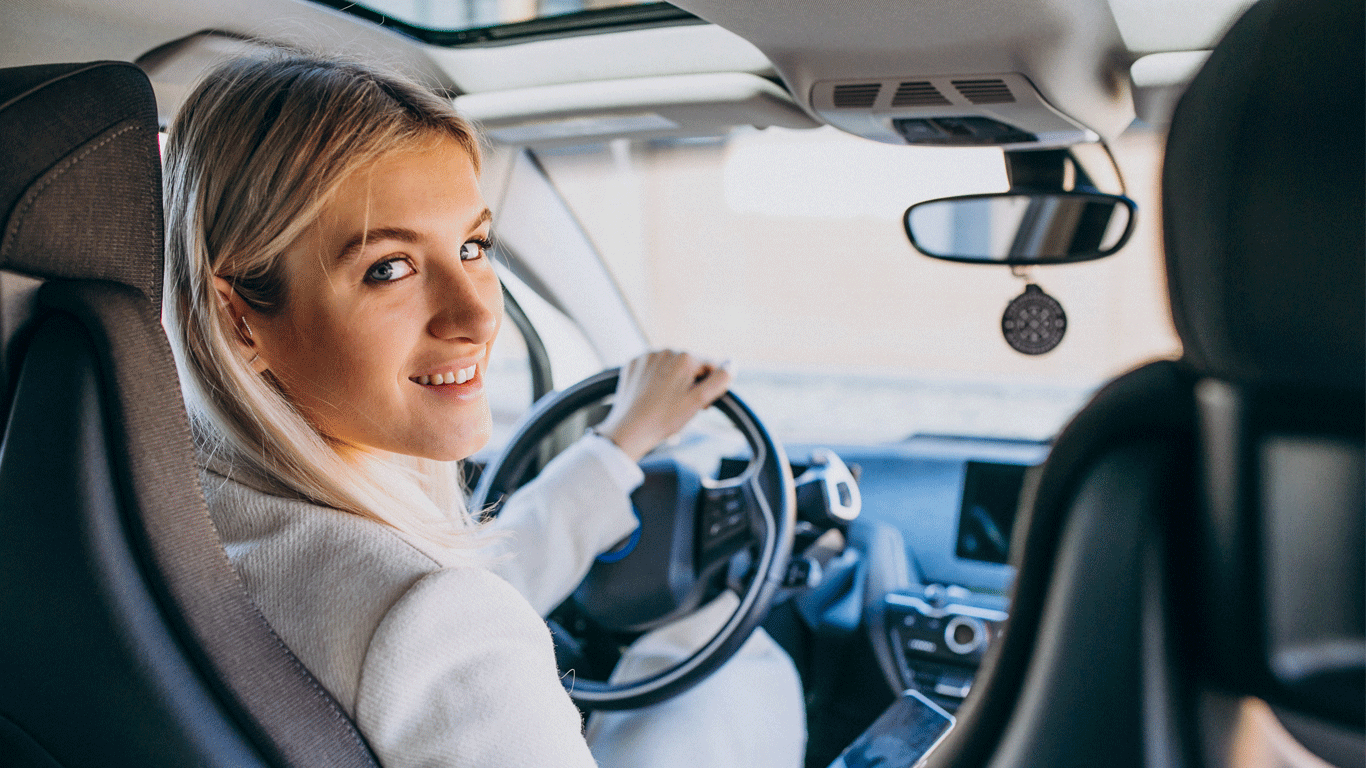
pixel 449 377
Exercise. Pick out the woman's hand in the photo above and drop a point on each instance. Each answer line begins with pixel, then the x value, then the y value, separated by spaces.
pixel 657 394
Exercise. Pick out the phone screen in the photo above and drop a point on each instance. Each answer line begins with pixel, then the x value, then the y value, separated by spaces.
pixel 900 737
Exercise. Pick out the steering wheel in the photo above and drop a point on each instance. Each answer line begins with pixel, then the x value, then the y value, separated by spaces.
pixel 691 530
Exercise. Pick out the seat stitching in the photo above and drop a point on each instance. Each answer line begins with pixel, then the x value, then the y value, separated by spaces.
pixel 326 697
pixel 21 211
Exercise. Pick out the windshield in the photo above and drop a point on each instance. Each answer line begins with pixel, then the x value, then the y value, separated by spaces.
pixel 784 251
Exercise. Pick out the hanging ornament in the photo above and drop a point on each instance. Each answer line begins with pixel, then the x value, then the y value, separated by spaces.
pixel 1033 322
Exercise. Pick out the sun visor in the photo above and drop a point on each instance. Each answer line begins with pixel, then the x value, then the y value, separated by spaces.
pixel 647 107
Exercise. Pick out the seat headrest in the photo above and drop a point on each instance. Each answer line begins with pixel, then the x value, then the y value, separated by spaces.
pixel 80 174
pixel 1263 200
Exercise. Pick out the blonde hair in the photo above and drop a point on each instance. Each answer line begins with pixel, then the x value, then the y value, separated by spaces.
pixel 253 156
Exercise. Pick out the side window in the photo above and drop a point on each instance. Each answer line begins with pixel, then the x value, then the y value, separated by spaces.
pixel 538 349
pixel 508 380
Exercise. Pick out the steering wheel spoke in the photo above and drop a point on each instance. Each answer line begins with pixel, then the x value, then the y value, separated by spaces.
pixel 729 521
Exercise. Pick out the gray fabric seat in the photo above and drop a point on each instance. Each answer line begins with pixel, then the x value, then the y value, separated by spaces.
pixel 1196 535
pixel 127 637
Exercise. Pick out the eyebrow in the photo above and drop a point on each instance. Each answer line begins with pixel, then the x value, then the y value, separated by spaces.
pixel 352 247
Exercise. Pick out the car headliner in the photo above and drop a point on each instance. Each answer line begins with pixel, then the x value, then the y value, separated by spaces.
pixel 1076 52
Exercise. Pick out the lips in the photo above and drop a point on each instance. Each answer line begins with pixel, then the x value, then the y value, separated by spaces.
pixel 441 378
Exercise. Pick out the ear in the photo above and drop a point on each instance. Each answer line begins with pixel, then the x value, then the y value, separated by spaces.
pixel 237 312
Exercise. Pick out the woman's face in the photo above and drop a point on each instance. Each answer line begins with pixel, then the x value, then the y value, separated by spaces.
pixel 392 305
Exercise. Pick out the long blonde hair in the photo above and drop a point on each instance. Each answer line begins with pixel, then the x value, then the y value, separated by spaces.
pixel 253 156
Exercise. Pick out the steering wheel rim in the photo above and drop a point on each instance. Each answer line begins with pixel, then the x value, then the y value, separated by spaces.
pixel 768 483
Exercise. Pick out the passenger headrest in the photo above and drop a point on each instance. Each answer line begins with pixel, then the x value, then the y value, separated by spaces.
pixel 1263 199
pixel 80 175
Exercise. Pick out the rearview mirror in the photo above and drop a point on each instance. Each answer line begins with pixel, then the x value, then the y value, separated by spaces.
pixel 1021 227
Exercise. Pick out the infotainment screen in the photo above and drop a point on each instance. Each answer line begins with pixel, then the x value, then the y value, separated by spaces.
pixel 991 493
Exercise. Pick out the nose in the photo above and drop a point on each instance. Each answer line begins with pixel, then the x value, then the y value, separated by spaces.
pixel 467 302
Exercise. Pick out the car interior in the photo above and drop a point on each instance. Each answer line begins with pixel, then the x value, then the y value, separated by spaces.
pixel 1144 548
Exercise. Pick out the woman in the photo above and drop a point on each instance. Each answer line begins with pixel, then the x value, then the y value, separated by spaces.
pixel 332 305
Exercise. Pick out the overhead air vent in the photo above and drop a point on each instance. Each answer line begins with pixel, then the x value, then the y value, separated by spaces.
pixel 964 108
pixel 856 96
pixel 985 91
pixel 918 93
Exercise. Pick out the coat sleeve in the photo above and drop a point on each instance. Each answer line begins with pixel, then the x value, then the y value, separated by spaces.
pixel 549 531
pixel 461 673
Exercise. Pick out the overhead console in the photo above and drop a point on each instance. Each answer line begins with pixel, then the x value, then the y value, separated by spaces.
pixel 1001 110
pixel 1022 74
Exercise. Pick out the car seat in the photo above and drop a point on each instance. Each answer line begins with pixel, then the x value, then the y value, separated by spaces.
pixel 126 638
pixel 1194 543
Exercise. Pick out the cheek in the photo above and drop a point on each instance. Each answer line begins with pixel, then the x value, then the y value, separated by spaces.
pixel 331 361
pixel 369 353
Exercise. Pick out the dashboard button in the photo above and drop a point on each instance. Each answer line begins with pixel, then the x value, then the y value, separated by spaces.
pixel 965 635
pixel 958 689
pixel 923 646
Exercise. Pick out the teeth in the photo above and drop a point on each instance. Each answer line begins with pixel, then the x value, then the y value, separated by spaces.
pixel 450 377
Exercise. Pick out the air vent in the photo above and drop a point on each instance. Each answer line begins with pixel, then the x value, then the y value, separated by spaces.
pixel 918 94
pixel 984 91
pixel 861 95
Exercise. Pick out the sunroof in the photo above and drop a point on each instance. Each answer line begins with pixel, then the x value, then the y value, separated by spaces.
pixel 463 22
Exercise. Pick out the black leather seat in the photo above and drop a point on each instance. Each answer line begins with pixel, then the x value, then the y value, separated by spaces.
pixel 1195 539
pixel 126 638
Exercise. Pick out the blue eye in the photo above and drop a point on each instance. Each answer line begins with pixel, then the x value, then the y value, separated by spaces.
pixel 389 271
pixel 474 249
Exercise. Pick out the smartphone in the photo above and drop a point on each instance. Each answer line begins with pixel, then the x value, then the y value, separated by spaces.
pixel 900 737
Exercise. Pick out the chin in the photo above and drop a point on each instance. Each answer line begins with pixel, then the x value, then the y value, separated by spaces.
pixel 456 450
pixel 454 455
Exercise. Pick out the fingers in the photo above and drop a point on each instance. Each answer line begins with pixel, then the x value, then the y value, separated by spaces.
pixel 657 393
pixel 681 377
pixel 713 382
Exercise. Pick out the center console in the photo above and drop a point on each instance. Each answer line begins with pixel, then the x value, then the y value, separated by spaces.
pixel 937 636
pixel 930 629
